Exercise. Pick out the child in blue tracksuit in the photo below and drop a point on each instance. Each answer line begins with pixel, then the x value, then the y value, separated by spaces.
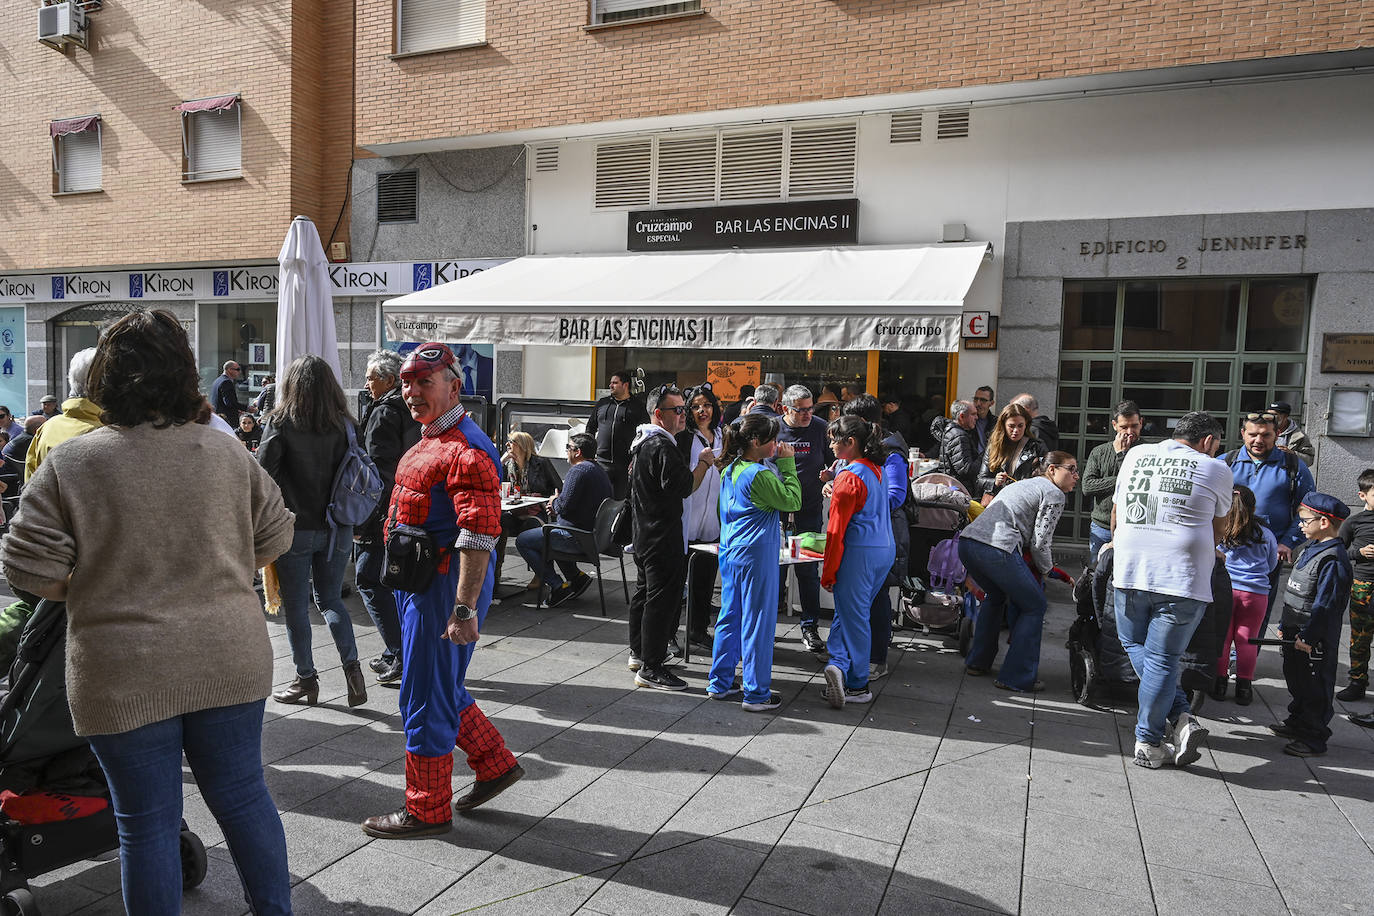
pixel 752 493
pixel 859 551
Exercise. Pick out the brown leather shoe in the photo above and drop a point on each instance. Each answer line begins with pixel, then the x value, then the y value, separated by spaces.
pixel 402 825
pixel 484 790
pixel 302 690
pixel 357 687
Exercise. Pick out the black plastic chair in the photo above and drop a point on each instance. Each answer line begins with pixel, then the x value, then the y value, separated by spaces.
pixel 592 546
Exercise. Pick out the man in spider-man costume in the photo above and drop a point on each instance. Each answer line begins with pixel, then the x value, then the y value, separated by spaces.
pixel 449 484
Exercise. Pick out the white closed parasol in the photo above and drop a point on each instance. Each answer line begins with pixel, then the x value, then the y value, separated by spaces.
pixel 305 305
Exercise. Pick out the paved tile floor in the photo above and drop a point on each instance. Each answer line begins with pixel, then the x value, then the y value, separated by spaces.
pixel 943 796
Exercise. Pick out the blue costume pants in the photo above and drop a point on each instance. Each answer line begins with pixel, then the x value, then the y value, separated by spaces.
pixel 748 620
pixel 861 573
pixel 432 693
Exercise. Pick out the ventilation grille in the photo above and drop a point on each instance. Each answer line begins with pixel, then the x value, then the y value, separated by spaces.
pixel 952 124
pixel 822 160
pixel 687 169
pixel 546 158
pixel 396 197
pixel 623 173
pixel 751 165
pixel 906 127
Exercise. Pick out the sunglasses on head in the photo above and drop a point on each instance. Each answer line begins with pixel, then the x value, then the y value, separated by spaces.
pixel 1261 418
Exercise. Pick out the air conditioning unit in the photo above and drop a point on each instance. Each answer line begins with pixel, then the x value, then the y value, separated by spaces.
pixel 61 24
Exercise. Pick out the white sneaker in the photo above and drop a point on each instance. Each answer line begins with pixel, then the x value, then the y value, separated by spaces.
pixel 1188 734
pixel 1153 756
pixel 834 686
pixel 857 695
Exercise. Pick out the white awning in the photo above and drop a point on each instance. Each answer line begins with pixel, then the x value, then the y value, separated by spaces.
pixel 879 297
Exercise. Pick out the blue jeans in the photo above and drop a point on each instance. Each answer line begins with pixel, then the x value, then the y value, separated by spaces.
pixel 808 574
pixel 143 766
pixel 1097 536
pixel 1013 594
pixel 530 544
pixel 1154 629
pixel 379 600
pixel 309 557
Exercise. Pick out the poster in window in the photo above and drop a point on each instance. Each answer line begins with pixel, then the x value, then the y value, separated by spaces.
pixel 727 376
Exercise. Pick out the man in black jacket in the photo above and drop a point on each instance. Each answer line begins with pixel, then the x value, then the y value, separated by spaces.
pixel 959 455
pixel 613 422
pixel 389 432
pixel 1044 428
pixel 659 481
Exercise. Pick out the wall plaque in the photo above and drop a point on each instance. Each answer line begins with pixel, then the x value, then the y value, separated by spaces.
pixel 1348 353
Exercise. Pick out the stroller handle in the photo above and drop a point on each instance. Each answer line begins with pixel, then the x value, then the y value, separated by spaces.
pixel 1317 652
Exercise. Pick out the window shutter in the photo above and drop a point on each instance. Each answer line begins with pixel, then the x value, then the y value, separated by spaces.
pixel 906 127
pixel 686 170
pixel 427 25
pixel 215 147
pixel 952 123
pixel 397 197
pixel 616 10
pixel 79 158
pixel 546 158
pixel 623 173
pixel 821 160
pixel 751 165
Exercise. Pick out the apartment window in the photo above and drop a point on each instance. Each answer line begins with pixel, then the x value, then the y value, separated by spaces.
pixel 76 154
pixel 780 162
pixel 432 25
pixel 397 195
pixel 211 138
pixel 606 11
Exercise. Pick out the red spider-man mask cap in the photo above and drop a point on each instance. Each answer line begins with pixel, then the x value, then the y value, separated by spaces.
pixel 426 359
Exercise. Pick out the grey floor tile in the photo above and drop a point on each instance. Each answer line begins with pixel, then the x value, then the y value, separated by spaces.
pixel 749 907
pixel 854 872
pixel 610 818
pixel 1070 850
pixel 1041 897
pixel 704 877
pixel 962 861
pixel 1179 892
pixel 372 880
pixel 880 813
pixel 1195 841
pixel 901 900
pixel 522 868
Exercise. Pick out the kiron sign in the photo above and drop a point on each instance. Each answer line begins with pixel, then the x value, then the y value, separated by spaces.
pixel 780 225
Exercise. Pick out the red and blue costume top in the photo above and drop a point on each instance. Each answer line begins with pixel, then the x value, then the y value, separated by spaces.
pixel 449 483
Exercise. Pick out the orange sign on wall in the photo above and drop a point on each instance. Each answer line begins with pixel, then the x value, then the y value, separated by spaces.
pixel 726 377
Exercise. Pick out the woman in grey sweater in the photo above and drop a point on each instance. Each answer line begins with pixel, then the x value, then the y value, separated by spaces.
pixel 1007 552
pixel 150 529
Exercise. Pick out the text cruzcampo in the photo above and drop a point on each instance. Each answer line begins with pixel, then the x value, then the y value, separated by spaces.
pixel 643 330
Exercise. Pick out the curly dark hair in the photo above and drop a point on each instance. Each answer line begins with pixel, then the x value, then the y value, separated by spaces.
pixel 144 372
pixel 704 390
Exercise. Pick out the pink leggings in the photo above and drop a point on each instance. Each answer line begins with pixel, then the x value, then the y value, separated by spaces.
pixel 1247 613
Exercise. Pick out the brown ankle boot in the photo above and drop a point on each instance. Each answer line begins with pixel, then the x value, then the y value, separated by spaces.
pixel 302 690
pixel 357 687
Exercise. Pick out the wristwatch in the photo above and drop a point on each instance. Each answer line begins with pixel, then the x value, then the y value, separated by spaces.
pixel 463 612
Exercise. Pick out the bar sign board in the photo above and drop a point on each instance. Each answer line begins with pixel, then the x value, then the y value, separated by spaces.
pixel 786 224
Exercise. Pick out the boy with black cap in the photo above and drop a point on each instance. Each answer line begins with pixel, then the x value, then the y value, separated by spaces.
pixel 1313 610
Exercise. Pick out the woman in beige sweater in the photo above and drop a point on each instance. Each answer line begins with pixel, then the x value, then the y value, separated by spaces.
pixel 150 529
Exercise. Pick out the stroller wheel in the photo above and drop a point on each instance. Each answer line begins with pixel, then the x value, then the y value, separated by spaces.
pixel 965 635
pixel 1082 674
pixel 20 902
pixel 193 860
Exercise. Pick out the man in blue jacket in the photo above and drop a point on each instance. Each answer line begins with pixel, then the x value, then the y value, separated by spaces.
pixel 1279 481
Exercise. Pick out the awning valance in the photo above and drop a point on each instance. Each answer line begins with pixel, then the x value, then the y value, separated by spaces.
pixel 214 103
pixel 878 297
pixel 72 125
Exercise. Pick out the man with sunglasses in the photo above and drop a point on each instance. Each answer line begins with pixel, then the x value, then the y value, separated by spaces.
pixel 805 432
pixel 1279 481
pixel 224 394
pixel 8 423
pixel 613 422
pixel 659 482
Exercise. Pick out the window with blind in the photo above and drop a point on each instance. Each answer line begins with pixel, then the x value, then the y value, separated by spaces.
pixel 213 144
pixel 431 25
pixel 605 11
pixel 782 162
pixel 76 158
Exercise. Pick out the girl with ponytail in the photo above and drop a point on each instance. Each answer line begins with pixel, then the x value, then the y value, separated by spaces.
pixel 859 552
pixel 753 491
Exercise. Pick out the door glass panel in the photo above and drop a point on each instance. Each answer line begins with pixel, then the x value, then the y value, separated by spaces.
pixel 1218 373
pixel 1167 314
pixel 1099 397
pixel 1254 401
pixel 1254 374
pixel 1214 400
pixel 1294 399
pixel 1150 370
pixel 1100 370
pixel 1288 374
pixel 1276 315
pixel 1068 423
pixel 1099 424
pixel 1071 370
pixel 1089 315
pixel 1070 396
pixel 1154 400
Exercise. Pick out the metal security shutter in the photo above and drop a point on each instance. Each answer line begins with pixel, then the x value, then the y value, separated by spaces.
pixel 214 146
pixel 426 25
pixel 906 127
pixel 821 160
pixel 397 197
pixel 952 124
pixel 621 10
pixel 623 172
pixel 78 161
pixel 751 165
pixel 686 170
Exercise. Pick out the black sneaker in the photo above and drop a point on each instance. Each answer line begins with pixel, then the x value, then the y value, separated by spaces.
pixel 1351 692
pixel 1283 730
pixel 768 705
pixel 378 663
pixel 674 650
pixel 811 639
pixel 583 583
pixel 660 679
pixel 1363 720
pixel 391 672
pixel 561 595
pixel 701 645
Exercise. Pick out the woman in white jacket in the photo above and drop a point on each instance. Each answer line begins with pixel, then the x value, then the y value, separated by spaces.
pixel 701 511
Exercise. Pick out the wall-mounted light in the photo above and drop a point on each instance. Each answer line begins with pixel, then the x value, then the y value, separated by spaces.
pixel 1352 412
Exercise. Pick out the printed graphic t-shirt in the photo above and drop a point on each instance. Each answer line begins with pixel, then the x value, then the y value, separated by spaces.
pixel 1166 497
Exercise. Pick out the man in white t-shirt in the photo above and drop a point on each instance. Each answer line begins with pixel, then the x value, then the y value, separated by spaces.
pixel 1171 500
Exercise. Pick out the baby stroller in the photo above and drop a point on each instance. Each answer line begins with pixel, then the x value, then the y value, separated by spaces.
pixel 39 749
pixel 1099 670
pixel 942 503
